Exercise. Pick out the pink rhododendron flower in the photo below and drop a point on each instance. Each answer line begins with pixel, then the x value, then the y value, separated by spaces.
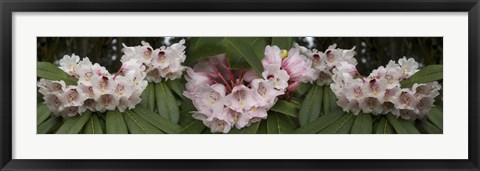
pixel 96 89
pixel 380 92
pixel 323 65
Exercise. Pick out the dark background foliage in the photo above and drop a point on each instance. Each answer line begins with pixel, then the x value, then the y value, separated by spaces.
pixel 371 51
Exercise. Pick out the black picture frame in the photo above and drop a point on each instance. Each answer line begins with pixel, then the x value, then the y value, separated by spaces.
pixel 10 6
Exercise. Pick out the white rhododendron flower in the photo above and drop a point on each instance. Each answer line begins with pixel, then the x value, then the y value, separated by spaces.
pixel 409 67
pixel 225 98
pixel 164 63
pixel 96 89
pixel 69 64
pixel 246 96
pixel 296 65
pixel 380 92
pixel 322 64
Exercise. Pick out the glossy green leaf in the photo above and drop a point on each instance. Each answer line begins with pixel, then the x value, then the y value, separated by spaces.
pixel 279 124
pixel 393 121
pixel 75 124
pixel 286 108
pixel 137 125
pixel 252 129
pixel 166 104
pixel 428 74
pixel 39 97
pixel 401 126
pixel 238 49
pixel 311 106
pixel 409 126
pixel 262 129
pixel 115 123
pixel 283 42
pixel 258 44
pixel 383 127
pixel 302 89
pixel 50 71
pixel 148 97
pixel 159 122
pixel 428 127
pixel 103 123
pixel 185 118
pixel 42 113
pixel 329 100
pixel 204 47
pixel 436 117
pixel 177 86
pixel 341 125
pixel 297 102
pixel 196 127
pixel 48 125
pixel 206 131
pixel 362 124
pixel 320 123
pixel 93 126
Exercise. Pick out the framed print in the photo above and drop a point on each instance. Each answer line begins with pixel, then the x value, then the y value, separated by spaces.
pixel 239 85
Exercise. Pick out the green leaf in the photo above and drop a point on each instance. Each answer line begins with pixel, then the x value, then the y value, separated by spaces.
pixel 252 129
pixel 258 44
pixel 436 117
pixel 177 86
pixel 286 108
pixel 262 129
pixel 204 47
pixel 166 105
pixel 362 124
pixel 93 126
pixel 137 125
pixel 206 131
pixel 161 123
pixel 103 123
pixel 279 124
pixel 74 125
pixel 148 97
pixel 383 127
pixel 396 125
pixel 196 127
pixel 185 118
pixel 48 125
pixel 425 75
pixel 428 127
pixel 283 42
pixel 401 126
pixel 39 97
pixel 329 100
pixel 238 49
pixel 341 125
pixel 49 71
pixel 42 113
pixel 302 89
pixel 187 106
pixel 320 123
pixel 311 106
pixel 116 123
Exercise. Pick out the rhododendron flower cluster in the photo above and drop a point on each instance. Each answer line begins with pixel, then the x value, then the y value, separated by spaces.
pixel 161 63
pixel 283 65
pixel 225 99
pixel 96 89
pixel 324 63
pixel 381 93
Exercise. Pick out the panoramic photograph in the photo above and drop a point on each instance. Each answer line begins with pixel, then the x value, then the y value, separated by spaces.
pixel 239 85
